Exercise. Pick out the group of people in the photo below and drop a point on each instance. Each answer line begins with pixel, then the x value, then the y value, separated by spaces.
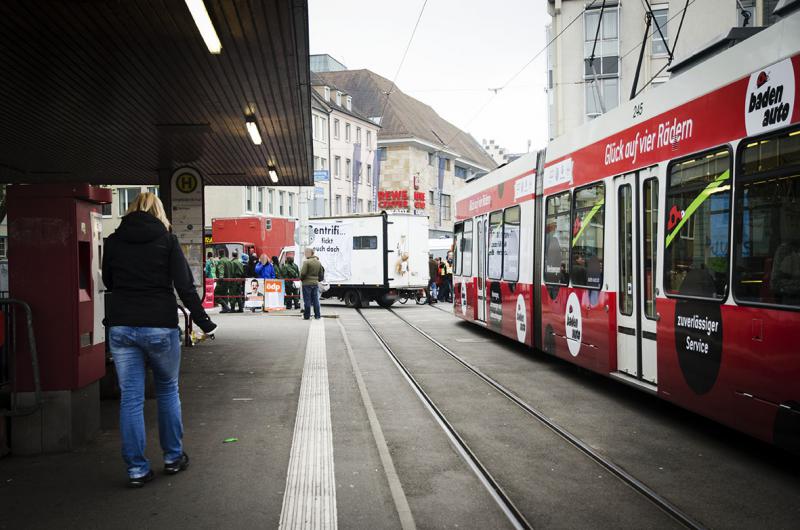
pixel 441 279
pixel 230 294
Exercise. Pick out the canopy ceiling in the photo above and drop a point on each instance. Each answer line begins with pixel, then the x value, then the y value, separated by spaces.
pixel 116 91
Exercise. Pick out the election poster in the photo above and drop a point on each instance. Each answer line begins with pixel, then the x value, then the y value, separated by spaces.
pixel 254 293
pixel 273 295
pixel 333 244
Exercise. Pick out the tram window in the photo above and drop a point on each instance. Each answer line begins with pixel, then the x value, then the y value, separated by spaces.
pixel 625 239
pixel 495 270
pixel 697 225
pixel 588 228
pixel 511 244
pixel 466 253
pixel 767 251
pixel 458 235
pixel 649 247
pixel 556 235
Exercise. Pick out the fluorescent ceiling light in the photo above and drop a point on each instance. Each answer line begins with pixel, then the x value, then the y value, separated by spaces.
pixel 273 174
pixel 204 25
pixel 252 129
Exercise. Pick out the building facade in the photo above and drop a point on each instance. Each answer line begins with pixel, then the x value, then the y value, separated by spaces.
pixel 421 158
pixel 578 92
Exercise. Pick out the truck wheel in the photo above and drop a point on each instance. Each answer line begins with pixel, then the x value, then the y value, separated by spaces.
pixel 385 300
pixel 352 298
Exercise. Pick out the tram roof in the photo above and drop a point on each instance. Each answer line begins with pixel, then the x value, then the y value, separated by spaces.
pixel 115 92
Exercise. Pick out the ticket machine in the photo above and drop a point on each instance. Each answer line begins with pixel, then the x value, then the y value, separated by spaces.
pixel 55 245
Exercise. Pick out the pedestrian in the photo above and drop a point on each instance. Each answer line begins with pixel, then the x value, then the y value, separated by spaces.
pixel 143 266
pixel 276 266
pixel 222 288
pixel 433 271
pixel 251 266
pixel 211 265
pixel 309 276
pixel 236 287
pixel 290 274
pixel 442 288
pixel 448 276
pixel 264 268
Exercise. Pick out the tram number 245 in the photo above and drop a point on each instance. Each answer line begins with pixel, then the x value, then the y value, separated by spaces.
pixel 638 110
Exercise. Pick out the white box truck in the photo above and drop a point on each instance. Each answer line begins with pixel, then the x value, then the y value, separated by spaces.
pixel 372 256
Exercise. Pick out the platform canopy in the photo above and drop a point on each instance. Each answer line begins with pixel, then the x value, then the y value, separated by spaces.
pixel 118 91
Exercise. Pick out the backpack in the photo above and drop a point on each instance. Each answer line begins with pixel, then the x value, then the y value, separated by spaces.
pixel 321 273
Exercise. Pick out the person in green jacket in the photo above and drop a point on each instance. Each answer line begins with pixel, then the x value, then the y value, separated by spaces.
pixel 290 273
pixel 211 266
pixel 309 275
pixel 221 289
pixel 236 288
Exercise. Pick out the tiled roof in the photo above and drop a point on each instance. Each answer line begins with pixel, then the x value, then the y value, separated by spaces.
pixel 405 117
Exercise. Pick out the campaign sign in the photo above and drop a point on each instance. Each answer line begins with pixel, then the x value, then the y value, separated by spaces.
pixel 273 295
pixel 254 293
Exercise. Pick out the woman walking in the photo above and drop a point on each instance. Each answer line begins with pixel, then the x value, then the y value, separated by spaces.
pixel 142 263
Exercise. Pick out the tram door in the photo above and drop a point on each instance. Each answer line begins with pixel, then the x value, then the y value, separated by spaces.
pixel 480 275
pixel 637 227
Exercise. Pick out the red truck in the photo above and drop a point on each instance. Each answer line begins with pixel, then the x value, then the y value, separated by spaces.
pixel 262 235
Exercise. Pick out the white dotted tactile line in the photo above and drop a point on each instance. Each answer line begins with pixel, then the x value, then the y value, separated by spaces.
pixel 309 500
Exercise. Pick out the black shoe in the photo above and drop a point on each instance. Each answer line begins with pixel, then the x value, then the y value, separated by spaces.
pixel 306 318
pixel 177 466
pixel 139 482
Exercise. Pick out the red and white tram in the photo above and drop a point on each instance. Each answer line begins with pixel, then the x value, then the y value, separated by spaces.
pixel 660 243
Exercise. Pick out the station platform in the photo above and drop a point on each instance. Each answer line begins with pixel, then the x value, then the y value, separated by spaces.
pixel 313 424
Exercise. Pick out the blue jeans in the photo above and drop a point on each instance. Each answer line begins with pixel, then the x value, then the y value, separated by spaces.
pixel 310 296
pixel 131 348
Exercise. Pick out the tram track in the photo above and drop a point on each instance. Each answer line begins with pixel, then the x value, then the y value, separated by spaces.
pixel 499 494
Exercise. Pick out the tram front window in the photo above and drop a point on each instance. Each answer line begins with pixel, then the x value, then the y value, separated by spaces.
pixel 698 225
pixel 767 259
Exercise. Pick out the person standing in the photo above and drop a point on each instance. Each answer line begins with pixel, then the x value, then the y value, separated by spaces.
pixel 309 276
pixel 448 277
pixel 433 271
pixel 211 266
pixel 250 270
pixel 222 288
pixel 236 287
pixel 264 268
pixel 143 265
pixel 290 274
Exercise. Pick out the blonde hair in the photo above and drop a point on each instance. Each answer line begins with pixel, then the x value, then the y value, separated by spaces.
pixel 149 203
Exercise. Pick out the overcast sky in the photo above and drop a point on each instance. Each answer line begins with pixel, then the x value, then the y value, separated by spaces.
pixel 462 48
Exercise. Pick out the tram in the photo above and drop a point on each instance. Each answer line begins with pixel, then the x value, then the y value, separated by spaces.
pixel 659 244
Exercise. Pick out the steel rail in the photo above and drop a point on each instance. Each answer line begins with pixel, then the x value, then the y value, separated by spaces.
pixel 662 503
pixel 509 509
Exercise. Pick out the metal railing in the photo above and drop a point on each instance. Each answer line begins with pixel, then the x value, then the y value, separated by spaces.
pixel 9 307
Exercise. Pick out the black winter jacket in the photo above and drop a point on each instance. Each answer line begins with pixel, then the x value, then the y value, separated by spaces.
pixel 142 262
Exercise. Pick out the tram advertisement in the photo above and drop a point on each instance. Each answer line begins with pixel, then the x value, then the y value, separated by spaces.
pixel 332 243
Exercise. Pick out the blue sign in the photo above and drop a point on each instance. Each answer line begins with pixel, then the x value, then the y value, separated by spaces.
pixel 319 192
pixel 321 175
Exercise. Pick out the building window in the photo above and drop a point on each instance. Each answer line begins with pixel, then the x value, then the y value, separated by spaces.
pixel 431 156
pixel 248 198
pixel 281 203
pixel 696 243
pixel 369 139
pixel 445 201
pixel 260 199
pixel 358 135
pixel 125 197
pixel 3 248
pixel 106 210
pixel 369 174
pixel 347 132
pixel 348 168
pixel 336 129
pixel 349 204
pixel 337 167
pixel 382 155
pixel 461 172
pixel 659 22
pixel 360 205
pixel 338 205
pixel 605 90
pixel 338 98
pixel 369 206
pixel 291 204
pixel 602 94
pixel 314 126
pixel 349 103
pixel 155 190
pixel 327 93
pixel 271 194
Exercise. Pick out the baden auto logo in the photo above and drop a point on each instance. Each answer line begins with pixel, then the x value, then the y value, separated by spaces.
pixel 521 319
pixel 464 298
pixel 770 98
pixel 574 324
